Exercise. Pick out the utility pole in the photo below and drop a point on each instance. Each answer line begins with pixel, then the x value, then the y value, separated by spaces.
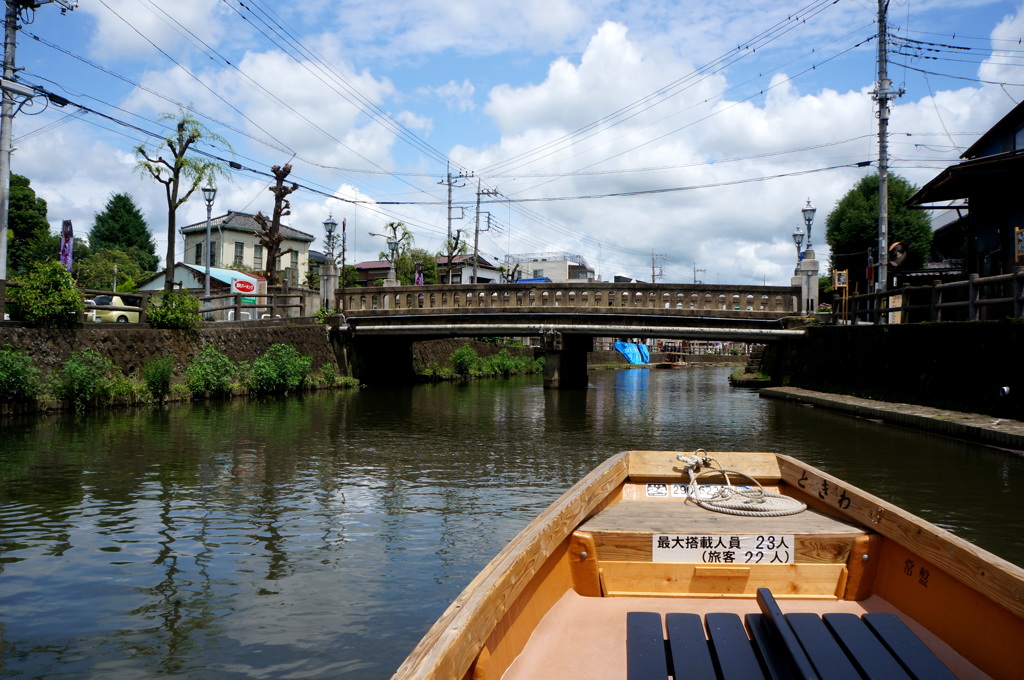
pixel 476 231
pixel 883 94
pixel 655 270
pixel 450 180
pixel 7 109
pixel 695 272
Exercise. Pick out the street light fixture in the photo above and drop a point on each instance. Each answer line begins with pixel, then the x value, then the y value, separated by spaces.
pixel 329 226
pixel 798 239
pixel 209 193
pixel 808 211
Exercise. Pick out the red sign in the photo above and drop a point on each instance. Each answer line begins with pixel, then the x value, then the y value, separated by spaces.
pixel 243 286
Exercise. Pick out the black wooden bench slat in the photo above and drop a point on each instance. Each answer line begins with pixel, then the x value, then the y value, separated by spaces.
pixel 866 651
pixel 801 665
pixel 827 657
pixel 733 649
pixel 914 655
pixel 645 647
pixel 774 658
pixel 691 656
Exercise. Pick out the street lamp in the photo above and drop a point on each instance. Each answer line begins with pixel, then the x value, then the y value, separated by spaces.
pixel 798 239
pixel 209 193
pixel 329 226
pixel 393 247
pixel 808 211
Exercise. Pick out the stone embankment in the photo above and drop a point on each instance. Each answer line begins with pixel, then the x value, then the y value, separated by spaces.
pixel 973 427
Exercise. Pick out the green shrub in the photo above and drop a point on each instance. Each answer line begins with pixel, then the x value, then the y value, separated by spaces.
pixel 47 297
pixel 86 377
pixel 463 360
pixel 156 374
pixel 210 371
pixel 175 310
pixel 280 369
pixel 19 377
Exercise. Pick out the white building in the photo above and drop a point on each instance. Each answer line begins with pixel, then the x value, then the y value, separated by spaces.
pixel 234 242
pixel 558 267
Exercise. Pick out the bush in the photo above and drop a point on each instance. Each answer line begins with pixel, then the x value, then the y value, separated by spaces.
pixel 175 310
pixel 86 377
pixel 463 360
pixel 19 377
pixel 47 297
pixel 156 374
pixel 210 371
pixel 280 369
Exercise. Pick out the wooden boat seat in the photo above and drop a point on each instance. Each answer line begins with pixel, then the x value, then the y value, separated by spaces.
pixel 805 646
pixel 624 540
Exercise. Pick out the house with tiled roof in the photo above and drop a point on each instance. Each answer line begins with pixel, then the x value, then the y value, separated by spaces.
pixel 234 243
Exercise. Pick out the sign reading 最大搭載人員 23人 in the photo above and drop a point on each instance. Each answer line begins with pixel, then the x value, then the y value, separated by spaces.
pixel 723 549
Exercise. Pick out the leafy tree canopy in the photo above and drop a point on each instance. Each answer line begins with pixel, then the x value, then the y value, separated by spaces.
pixel 29 238
pixel 121 226
pixel 852 227
pixel 96 271
pixel 405 266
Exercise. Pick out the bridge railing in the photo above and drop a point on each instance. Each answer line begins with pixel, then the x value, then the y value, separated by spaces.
pixel 607 297
pixel 974 299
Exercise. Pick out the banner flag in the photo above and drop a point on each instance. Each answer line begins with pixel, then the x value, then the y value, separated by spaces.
pixel 67 244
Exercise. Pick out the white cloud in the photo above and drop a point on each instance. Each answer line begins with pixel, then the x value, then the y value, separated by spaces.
pixel 456 96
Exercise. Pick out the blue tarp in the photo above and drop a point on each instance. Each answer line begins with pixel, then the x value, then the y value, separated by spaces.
pixel 634 353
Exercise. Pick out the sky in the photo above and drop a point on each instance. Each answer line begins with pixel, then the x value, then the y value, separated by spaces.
pixel 665 139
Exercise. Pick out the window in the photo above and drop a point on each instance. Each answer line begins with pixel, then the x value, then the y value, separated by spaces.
pixel 538 273
pixel 239 252
pixel 295 259
pixel 213 253
pixel 199 253
pixel 257 258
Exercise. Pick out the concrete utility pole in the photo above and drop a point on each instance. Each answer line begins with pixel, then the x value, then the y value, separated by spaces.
pixel 476 231
pixel 882 94
pixel 450 182
pixel 11 88
pixel 655 270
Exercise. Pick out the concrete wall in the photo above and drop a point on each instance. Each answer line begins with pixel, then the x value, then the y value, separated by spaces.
pixel 958 366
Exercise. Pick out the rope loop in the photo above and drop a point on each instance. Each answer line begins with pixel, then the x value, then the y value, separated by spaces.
pixel 752 501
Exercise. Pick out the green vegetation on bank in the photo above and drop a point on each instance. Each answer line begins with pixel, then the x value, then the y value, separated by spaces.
pixel 464 363
pixel 90 380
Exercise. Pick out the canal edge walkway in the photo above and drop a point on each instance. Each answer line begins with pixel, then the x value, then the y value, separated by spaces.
pixel 974 427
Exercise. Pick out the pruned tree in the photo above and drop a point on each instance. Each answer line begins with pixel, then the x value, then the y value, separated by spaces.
pixel 452 247
pixel 180 173
pixel 269 233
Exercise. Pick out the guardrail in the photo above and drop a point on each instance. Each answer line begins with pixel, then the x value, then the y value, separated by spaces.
pixel 974 299
pixel 607 297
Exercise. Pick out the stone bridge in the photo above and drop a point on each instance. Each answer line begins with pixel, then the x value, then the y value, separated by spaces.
pixel 379 324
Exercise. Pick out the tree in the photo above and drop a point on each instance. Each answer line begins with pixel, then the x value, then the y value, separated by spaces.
pixel 121 226
pixel 269 233
pixel 453 246
pixel 30 240
pixel 97 270
pixel 851 229
pixel 181 174
pixel 405 266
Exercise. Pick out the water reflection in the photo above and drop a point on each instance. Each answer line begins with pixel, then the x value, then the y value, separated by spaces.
pixel 321 536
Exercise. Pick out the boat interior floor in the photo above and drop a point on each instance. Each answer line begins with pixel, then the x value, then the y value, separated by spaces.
pixel 573 639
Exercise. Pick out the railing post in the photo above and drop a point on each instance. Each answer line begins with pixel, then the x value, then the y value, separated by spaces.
pixel 238 306
pixel 972 297
pixel 1018 305
pixel 935 313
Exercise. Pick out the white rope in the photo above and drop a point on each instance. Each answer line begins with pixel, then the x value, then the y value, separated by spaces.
pixel 733 500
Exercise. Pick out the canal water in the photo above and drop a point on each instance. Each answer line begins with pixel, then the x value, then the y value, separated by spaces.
pixel 320 536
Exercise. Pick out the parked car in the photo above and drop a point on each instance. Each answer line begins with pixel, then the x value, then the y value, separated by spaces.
pixel 129 315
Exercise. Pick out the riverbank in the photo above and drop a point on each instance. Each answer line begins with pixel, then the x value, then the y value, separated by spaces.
pixel 973 427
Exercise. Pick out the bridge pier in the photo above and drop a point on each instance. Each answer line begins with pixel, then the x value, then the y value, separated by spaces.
pixel 565 357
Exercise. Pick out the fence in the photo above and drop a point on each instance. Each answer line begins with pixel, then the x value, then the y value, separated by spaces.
pixel 975 299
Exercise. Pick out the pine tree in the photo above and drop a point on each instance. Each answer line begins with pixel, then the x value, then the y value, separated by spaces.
pixel 121 226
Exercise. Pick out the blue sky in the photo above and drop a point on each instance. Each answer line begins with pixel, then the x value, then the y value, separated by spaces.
pixel 563 106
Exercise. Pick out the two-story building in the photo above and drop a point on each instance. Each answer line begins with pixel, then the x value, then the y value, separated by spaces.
pixel 982 188
pixel 559 267
pixel 234 241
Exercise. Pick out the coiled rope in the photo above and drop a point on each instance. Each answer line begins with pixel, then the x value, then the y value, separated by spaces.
pixel 733 500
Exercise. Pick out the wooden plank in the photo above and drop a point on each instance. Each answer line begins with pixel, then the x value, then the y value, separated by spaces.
pixel 583 564
pixel 691 656
pixel 625 547
pixel 455 639
pixel 864 649
pixel 645 647
pixel 980 570
pixel 908 649
pixel 661 579
pixel 826 655
pixel 733 649
pixel 663 466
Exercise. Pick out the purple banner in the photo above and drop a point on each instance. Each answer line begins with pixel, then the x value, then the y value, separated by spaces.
pixel 67 244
